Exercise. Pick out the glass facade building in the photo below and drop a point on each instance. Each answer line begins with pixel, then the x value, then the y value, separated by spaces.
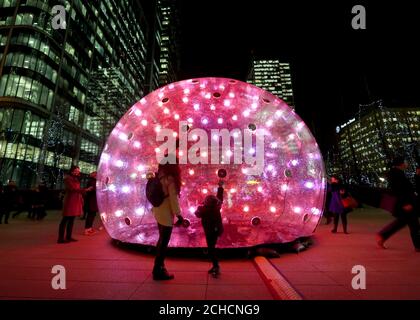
pixel 62 90
pixel 273 76
pixel 367 145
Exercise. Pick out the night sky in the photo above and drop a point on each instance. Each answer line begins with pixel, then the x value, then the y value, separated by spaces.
pixel 334 68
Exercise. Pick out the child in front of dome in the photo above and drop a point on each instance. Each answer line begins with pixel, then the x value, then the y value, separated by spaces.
pixel 211 220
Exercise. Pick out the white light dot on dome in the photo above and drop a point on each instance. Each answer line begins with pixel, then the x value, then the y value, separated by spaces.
pixel 157 129
pixel 309 184
pixel 284 187
pixel 297 209
pixel 166 111
pixel 259 192
pixel 195 137
pixel 143 101
pixel 279 113
pixel 139 211
pixel 229 153
pixel 123 136
pixel 196 106
pixel 220 121
pixel 205 191
pixel 157 150
pixel 160 103
pixel 246 209
pixel 119 213
pixel 190 120
pixel 291 136
pixel 316 211
pixel 180 153
pixel 272 209
pixel 125 189
pixel 269 123
pixel 185 99
pixel 227 103
pixel 270 167
pixel 294 162
pixel 222 87
pixel 105 157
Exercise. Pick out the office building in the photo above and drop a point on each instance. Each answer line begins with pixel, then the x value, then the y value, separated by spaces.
pixel 62 89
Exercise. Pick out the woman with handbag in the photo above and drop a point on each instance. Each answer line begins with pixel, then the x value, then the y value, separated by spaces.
pixel 337 206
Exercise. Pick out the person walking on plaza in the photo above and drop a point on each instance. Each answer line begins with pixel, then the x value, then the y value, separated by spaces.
pixel 405 210
pixel 72 204
pixel 169 176
pixel 417 182
pixel 91 205
pixel 338 192
pixel 3 209
pixel 211 220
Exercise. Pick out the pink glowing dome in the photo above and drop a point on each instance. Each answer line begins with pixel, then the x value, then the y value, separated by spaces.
pixel 278 203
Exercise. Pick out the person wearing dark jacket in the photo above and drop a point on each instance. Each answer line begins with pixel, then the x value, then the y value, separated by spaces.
pixel 336 206
pixel 91 205
pixel 405 210
pixel 417 182
pixel 211 221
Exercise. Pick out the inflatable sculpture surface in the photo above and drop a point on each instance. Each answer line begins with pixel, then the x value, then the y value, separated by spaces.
pixel 275 179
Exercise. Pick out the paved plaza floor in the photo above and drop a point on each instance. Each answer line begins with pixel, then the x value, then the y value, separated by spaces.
pixel 98 269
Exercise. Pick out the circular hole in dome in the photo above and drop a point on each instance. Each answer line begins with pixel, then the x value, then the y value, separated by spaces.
pixel 232 81
pixel 221 173
pixel 127 221
pixel 165 100
pixel 106 180
pixel 287 173
pixel 130 136
pixel 186 223
pixel 216 95
pixel 252 127
pixel 306 218
pixel 266 100
pixel 195 81
pixel 255 221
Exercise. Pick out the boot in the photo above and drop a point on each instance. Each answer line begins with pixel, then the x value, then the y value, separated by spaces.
pixel 215 270
pixel 160 273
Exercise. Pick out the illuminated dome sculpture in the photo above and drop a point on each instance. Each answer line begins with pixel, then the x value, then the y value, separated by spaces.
pixel 278 202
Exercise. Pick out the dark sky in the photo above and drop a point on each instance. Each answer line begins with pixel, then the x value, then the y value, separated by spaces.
pixel 332 64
